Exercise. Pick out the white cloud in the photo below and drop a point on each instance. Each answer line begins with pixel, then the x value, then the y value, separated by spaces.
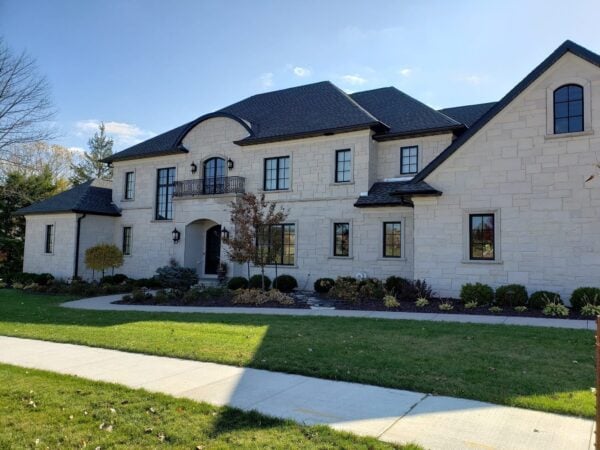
pixel 76 150
pixel 301 71
pixel 354 80
pixel 124 134
pixel 266 79
pixel 473 79
pixel 406 72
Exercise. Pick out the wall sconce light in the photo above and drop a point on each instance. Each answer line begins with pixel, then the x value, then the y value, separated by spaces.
pixel 224 233
pixel 194 167
pixel 176 235
pixel 229 163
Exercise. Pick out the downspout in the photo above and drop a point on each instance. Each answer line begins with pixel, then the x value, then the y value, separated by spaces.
pixel 76 271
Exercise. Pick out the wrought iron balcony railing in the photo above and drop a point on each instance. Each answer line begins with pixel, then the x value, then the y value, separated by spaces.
pixel 209 186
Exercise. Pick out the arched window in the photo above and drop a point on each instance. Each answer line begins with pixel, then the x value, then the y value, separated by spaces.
pixel 214 176
pixel 568 109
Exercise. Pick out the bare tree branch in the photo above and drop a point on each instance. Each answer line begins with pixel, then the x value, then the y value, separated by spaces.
pixel 25 105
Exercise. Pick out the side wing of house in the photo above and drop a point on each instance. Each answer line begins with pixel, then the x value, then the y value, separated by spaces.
pixel 516 206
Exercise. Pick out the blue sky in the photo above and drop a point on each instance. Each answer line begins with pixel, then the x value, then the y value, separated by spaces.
pixel 147 66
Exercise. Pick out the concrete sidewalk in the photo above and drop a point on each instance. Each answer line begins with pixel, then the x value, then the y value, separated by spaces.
pixel 106 304
pixel 388 414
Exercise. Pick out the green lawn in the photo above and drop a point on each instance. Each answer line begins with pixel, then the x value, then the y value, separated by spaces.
pixel 44 410
pixel 537 368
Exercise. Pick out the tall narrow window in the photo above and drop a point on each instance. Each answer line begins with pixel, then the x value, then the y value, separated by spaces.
pixel 165 183
pixel 568 109
pixel 277 244
pixel 409 157
pixel 343 164
pixel 277 173
pixel 481 237
pixel 214 176
pixel 129 185
pixel 49 246
pixel 391 239
pixel 127 236
pixel 341 239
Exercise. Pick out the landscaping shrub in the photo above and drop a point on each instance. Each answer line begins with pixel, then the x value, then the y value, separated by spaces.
pixel 556 310
pixel 193 295
pixel 589 310
pixel 274 295
pixel 371 289
pixel 176 277
pixel 584 295
pixel 471 305
pixel 148 283
pixel 117 278
pixel 482 294
pixel 43 279
pixel 285 283
pixel 539 299
pixel 395 284
pixel 236 283
pixel 446 306
pixel 161 296
pixel 324 285
pixel 255 282
pixel 520 309
pixel 423 290
pixel 249 297
pixel 389 301
pixel 345 288
pixel 140 295
pixel 495 309
pixel 421 303
pixel 3 285
pixel 511 295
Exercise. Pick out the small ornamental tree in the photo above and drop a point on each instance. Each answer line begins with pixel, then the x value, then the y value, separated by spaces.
pixel 252 218
pixel 102 257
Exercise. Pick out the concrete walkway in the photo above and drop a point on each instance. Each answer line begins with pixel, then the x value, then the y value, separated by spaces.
pixel 388 414
pixel 106 304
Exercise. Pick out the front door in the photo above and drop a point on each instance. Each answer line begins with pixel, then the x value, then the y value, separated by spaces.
pixel 213 250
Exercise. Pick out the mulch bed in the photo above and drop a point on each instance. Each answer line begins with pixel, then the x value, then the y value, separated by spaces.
pixel 433 307
pixel 222 302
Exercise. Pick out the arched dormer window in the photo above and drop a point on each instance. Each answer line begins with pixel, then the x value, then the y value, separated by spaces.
pixel 214 176
pixel 568 109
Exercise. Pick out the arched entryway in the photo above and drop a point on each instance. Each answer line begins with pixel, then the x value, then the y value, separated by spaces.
pixel 203 246
pixel 212 253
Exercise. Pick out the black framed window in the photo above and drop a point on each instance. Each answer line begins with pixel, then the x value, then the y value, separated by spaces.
pixel 343 165
pixel 568 109
pixel 481 237
pixel 409 157
pixel 392 239
pixel 129 185
pixel 49 243
pixel 214 176
pixel 341 239
pixel 165 184
pixel 277 173
pixel 277 244
pixel 127 237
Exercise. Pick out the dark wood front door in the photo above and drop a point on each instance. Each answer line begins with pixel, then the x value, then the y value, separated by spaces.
pixel 212 250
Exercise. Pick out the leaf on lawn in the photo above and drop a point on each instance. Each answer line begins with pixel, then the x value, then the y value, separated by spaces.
pixel 161 437
pixel 71 417
pixel 113 410
pixel 575 362
pixel 199 447
pixel 148 430
pixel 152 410
pixel 31 404
pixel 109 428
pixel 492 368
pixel 102 426
pixel 37 441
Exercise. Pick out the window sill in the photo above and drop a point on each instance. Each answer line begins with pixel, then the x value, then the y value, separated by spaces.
pixel 391 258
pixel 550 137
pixel 275 191
pixel 161 221
pixel 127 200
pixel 340 257
pixel 482 261
pixel 341 183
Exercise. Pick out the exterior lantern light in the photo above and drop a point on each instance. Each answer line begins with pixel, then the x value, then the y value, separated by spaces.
pixel 176 235
pixel 229 163
pixel 224 233
pixel 194 167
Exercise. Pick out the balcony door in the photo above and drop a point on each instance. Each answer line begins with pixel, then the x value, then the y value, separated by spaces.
pixel 214 176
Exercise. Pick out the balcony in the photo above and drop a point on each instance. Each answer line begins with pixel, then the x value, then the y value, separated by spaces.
pixel 209 186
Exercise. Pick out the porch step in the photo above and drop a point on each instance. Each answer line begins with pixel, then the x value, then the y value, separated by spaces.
pixel 207 282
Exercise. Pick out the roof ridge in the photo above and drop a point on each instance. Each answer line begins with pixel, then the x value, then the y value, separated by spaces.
pixel 467 106
pixel 355 103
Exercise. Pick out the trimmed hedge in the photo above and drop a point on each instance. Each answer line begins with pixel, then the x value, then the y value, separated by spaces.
pixel 583 296
pixel 237 283
pixel 255 282
pixel 540 299
pixel 117 278
pixel 511 295
pixel 479 293
pixel 324 285
pixel 285 283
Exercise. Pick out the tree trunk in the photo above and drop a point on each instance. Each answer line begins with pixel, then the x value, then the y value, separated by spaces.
pixel 262 271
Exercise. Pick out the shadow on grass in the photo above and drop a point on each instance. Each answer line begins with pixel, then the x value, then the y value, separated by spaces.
pixel 538 368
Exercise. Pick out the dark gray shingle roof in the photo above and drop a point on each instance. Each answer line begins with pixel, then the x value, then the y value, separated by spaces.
pixel 567 46
pixel 402 113
pixel 468 114
pixel 393 193
pixel 83 198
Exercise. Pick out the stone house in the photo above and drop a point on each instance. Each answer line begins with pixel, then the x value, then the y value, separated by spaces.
pixel 376 183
